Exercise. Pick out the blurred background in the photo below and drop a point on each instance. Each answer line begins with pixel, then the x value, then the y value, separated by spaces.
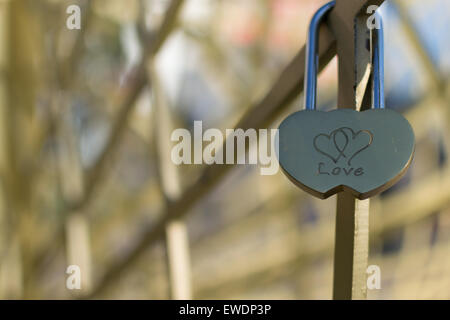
pixel 85 171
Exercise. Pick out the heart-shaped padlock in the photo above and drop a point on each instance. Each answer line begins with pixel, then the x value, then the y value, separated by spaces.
pixel 362 153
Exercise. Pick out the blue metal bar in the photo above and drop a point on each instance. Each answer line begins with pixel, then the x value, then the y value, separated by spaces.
pixel 312 61
pixel 378 100
pixel 312 58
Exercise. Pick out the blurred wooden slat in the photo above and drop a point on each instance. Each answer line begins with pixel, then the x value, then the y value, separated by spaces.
pixel 10 266
pixel 177 241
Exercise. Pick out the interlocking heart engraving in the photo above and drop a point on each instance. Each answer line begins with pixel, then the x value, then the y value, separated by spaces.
pixel 362 153
pixel 341 148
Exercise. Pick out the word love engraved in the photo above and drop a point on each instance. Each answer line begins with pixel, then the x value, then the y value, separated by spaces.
pixel 342 144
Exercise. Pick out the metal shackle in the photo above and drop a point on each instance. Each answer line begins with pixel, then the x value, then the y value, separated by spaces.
pixel 312 60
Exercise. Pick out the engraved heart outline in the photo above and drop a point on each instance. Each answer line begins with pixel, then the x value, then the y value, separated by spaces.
pixel 354 135
pixel 335 160
pixel 341 151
